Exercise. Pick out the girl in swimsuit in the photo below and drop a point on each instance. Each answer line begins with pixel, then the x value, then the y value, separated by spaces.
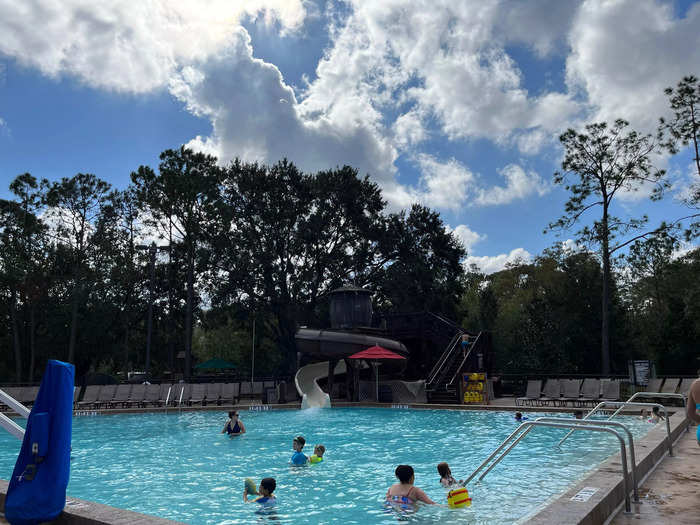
pixel 234 426
pixel 404 495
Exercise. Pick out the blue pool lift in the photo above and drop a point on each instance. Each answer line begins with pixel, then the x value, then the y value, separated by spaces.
pixel 37 490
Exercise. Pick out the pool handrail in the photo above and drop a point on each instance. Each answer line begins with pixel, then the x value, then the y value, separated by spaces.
pixel 630 439
pixel 652 394
pixel 621 405
pixel 5 422
pixel 573 424
pixel 443 358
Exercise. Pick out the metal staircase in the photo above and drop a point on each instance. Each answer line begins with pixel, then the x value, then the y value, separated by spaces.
pixel 442 385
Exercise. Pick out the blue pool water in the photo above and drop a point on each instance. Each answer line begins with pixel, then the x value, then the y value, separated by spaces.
pixel 179 466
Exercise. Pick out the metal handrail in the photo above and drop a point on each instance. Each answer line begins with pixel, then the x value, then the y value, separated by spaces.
pixel 464 359
pixel 443 358
pixel 652 394
pixel 623 404
pixel 574 424
pixel 630 440
pixel 5 422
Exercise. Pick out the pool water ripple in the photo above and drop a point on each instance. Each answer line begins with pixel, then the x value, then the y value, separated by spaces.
pixel 179 466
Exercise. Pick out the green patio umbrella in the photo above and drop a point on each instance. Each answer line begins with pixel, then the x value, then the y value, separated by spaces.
pixel 215 364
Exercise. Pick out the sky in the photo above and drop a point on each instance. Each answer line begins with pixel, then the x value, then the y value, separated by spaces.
pixel 457 105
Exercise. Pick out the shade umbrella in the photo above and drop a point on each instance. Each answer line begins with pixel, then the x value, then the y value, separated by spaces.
pixel 376 355
pixel 215 364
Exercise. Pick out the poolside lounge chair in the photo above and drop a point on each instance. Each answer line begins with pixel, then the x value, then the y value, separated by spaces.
pixel 654 384
pixel 532 394
pixel 213 393
pixel 571 391
pixel 92 393
pixel 121 396
pixel 685 385
pixel 106 395
pixel 152 396
pixel 198 393
pixel 137 395
pixel 590 391
pixel 246 389
pixel 28 394
pixel 551 393
pixel 258 388
pixel 611 391
pixel 76 395
pixel 229 393
pixel 671 385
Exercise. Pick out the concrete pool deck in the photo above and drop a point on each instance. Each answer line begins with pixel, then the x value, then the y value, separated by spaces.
pixel 674 489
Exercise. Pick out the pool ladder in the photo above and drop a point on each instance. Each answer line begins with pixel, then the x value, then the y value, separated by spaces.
pixel 5 422
pixel 553 422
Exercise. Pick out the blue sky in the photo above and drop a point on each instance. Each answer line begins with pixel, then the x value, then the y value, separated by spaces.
pixel 457 105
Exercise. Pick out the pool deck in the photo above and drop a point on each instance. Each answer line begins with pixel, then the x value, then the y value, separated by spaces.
pixel 669 492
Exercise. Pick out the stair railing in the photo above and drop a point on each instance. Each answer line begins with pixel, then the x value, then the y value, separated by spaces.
pixel 472 345
pixel 444 358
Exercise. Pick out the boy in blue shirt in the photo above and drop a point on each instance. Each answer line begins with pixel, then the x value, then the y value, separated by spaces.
pixel 265 491
pixel 298 458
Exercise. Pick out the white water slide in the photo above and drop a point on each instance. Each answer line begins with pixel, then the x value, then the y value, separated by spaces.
pixel 306 381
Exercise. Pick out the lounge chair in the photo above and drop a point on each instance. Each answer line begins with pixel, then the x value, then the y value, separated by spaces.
pixel 106 395
pixel 654 384
pixel 611 391
pixel 268 384
pixel 90 397
pixel 152 396
pixel 28 394
pixel 685 385
pixel 213 393
pixel 121 396
pixel 246 389
pixel 258 389
pixel 532 394
pixel 230 393
pixel 590 391
pixel 137 396
pixel 76 395
pixel 551 393
pixel 199 392
pixel 571 392
pixel 671 385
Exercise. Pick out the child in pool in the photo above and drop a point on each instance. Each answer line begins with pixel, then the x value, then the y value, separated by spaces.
pixel 298 458
pixel 404 494
pixel 317 457
pixel 267 487
pixel 519 417
pixel 446 479
pixel 655 415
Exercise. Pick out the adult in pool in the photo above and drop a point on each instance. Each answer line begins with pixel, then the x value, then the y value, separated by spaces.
pixel 404 495
pixel 693 405
pixel 234 426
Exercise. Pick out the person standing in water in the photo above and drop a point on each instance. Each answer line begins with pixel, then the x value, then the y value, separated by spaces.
pixel 234 426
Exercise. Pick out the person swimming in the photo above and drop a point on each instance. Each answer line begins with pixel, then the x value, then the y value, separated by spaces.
pixel 446 478
pixel 234 426
pixel 404 495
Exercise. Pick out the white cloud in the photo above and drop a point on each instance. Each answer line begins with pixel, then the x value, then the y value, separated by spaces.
pixel 467 236
pixel 125 45
pixel 624 53
pixel 492 264
pixel 519 185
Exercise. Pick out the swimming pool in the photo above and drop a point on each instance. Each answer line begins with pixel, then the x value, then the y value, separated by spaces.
pixel 179 466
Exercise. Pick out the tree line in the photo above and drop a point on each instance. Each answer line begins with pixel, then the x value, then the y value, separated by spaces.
pixel 208 250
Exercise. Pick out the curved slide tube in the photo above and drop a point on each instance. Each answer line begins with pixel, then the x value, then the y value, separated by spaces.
pixel 307 385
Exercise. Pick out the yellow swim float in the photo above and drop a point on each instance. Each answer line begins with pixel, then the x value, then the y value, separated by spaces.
pixel 459 498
